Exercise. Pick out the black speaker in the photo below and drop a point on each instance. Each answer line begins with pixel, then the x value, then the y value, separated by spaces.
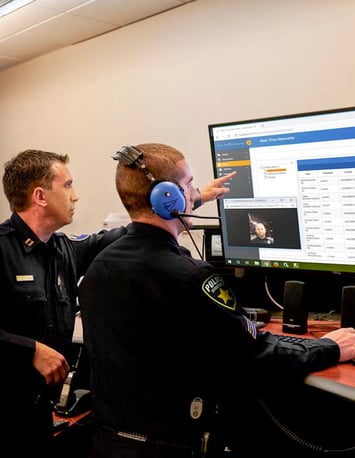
pixel 295 313
pixel 165 197
pixel 348 307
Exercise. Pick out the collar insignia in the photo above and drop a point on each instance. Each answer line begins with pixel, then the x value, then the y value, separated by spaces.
pixel 29 242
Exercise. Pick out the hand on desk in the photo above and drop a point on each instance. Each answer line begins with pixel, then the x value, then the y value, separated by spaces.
pixel 345 338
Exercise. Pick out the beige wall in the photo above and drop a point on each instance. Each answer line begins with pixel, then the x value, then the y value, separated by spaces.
pixel 166 78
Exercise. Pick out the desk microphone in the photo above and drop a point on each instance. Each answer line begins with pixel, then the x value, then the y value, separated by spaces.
pixel 176 214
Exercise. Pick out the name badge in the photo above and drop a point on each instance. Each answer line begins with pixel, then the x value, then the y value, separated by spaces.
pixel 24 278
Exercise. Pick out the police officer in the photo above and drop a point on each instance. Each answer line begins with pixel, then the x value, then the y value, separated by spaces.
pixel 171 352
pixel 261 236
pixel 40 269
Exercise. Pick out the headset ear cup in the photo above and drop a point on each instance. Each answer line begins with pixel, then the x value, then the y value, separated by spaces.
pixel 165 197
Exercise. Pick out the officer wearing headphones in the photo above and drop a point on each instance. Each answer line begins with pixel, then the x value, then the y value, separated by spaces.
pixel 172 354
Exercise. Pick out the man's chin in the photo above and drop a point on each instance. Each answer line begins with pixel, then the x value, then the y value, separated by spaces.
pixel 68 221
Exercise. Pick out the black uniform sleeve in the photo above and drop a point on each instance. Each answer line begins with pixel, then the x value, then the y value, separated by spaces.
pixel 86 247
pixel 21 347
pixel 271 356
pixel 291 360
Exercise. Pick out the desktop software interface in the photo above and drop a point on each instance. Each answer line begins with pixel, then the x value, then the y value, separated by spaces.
pixel 296 175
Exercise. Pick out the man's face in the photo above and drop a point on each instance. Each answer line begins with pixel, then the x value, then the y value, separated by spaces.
pixel 189 190
pixel 61 198
pixel 260 230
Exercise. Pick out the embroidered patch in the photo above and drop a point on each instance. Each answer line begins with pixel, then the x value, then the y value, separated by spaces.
pixel 77 238
pixel 249 326
pixel 216 289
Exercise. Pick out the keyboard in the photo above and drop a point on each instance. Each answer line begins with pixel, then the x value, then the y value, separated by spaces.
pixel 292 339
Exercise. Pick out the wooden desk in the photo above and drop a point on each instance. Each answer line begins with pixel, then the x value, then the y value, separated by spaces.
pixel 339 379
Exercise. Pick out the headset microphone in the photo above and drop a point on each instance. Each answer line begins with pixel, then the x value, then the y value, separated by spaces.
pixel 177 214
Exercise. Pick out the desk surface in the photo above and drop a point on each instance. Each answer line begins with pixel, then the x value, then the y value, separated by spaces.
pixel 72 420
pixel 339 379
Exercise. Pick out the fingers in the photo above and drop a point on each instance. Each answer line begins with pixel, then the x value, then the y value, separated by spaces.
pixel 222 180
pixel 51 364
pixel 57 375
pixel 219 182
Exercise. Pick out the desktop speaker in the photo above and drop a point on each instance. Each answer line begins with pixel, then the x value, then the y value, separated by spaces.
pixel 295 313
pixel 348 307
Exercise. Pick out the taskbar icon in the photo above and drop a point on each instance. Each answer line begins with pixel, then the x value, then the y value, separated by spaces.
pixel 263 263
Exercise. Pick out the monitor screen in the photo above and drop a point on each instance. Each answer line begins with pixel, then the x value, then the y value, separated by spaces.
pixel 292 203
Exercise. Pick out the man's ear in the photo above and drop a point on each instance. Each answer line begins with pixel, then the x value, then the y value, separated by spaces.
pixel 39 196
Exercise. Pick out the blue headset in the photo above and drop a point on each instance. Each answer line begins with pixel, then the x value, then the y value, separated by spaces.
pixel 166 198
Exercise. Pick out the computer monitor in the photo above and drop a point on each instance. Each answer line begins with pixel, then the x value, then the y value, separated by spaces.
pixel 295 187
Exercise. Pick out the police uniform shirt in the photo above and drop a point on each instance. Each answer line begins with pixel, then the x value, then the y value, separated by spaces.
pixel 38 287
pixel 161 327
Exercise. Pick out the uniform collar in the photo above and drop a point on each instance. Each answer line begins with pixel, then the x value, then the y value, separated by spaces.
pixel 28 237
pixel 149 230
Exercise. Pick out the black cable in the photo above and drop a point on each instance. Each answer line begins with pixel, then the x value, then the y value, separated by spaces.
pixel 198 216
pixel 177 214
pixel 296 438
pixel 181 219
pixel 270 296
pixel 324 316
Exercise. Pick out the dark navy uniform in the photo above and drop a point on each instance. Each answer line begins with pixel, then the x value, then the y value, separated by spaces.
pixel 171 352
pixel 38 284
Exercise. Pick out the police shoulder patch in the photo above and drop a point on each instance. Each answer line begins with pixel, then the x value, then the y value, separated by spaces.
pixel 216 289
pixel 77 238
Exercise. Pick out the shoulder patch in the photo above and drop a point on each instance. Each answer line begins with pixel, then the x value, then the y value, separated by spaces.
pixel 216 289
pixel 77 238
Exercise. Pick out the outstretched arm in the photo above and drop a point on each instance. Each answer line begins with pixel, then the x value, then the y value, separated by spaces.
pixel 213 190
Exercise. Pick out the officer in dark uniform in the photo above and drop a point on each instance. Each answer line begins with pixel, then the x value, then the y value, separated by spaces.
pixel 38 283
pixel 40 269
pixel 175 362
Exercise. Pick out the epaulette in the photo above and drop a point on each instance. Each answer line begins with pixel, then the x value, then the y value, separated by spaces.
pixel 6 228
